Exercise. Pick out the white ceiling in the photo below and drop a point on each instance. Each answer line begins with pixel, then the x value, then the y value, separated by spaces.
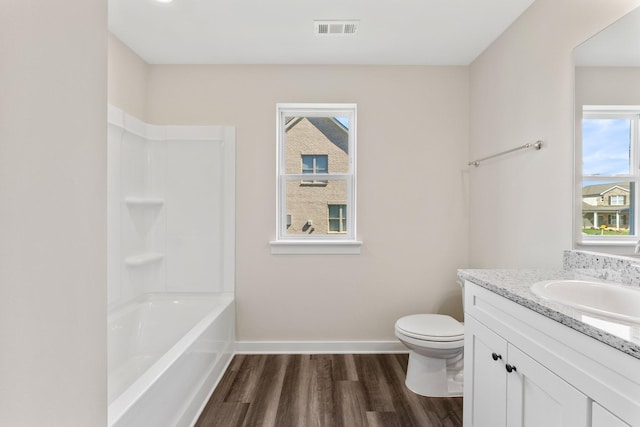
pixel 433 32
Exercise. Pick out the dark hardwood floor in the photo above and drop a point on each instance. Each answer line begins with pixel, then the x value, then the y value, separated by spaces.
pixel 323 390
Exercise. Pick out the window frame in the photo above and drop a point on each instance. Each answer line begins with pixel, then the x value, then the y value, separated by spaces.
pixel 330 243
pixel 632 113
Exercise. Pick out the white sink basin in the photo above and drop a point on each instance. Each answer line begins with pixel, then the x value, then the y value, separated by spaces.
pixel 611 301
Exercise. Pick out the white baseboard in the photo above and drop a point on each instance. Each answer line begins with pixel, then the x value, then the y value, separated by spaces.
pixel 316 347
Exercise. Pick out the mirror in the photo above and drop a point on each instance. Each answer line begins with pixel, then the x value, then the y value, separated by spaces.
pixel 607 135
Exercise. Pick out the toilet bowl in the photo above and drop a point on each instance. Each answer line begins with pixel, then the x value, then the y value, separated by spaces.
pixel 436 349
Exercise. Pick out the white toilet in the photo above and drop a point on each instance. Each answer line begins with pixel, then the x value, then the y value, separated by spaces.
pixel 436 344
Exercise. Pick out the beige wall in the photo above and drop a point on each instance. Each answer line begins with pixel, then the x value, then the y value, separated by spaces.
pixel 127 79
pixel 521 91
pixel 53 213
pixel 607 86
pixel 412 135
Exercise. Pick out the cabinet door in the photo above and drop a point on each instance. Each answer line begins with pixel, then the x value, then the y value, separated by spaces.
pixel 485 381
pixel 538 397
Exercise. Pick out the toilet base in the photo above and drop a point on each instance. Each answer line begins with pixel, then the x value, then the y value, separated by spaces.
pixel 431 377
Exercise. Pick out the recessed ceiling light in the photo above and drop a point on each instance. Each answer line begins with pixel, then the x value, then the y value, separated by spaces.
pixel 336 27
pixel 164 1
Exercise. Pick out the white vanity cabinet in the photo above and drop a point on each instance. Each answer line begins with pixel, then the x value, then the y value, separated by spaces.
pixel 524 369
pixel 509 388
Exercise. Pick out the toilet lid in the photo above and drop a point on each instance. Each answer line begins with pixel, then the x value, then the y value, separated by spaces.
pixel 431 327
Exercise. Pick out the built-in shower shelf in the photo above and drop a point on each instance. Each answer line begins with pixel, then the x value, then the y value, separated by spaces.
pixel 143 259
pixel 143 202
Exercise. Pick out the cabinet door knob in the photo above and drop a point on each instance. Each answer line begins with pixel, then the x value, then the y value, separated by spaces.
pixel 510 368
pixel 495 356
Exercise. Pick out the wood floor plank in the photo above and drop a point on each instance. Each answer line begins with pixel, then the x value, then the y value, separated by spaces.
pixel 407 404
pixel 376 388
pixel 298 401
pixel 350 367
pixel 343 367
pixel 223 414
pixel 264 407
pixel 249 371
pixel 383 419
pixel 228 380
pixel 448 410
pixel 323 390
pixel 351 404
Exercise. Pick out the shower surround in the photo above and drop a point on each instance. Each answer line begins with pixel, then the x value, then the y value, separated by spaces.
pixel 171 265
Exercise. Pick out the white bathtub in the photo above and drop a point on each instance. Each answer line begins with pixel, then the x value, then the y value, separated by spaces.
pixel 166 352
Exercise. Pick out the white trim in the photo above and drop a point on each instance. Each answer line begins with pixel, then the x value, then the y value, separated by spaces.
pixel 315 247
pixel 229 209
pixel 131 124
pixel 613 241
pixel 319 347
pixel 613 109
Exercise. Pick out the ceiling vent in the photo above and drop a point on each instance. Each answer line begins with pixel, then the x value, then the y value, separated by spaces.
pixel 336 27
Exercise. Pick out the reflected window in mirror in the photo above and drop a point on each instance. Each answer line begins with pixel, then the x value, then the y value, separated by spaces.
pixel 609 174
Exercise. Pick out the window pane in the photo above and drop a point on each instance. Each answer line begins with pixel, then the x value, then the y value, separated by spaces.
pixel 307 164
pixel 606 208
pixel 313 137
pixel 321 164
pixel 309 205
pixel 334 211
pixel 606 146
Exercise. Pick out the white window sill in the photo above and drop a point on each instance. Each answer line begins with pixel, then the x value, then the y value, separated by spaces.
pixel 608 241
pixel 624 246
pixel 315 247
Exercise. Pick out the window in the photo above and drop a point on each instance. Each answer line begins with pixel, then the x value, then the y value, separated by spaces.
pixel 616 200
pixel 316 162
pixel 337 218
pixel 608 161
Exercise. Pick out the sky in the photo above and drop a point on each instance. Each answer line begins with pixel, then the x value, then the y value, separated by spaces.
pixel 605 146
pixel 344 121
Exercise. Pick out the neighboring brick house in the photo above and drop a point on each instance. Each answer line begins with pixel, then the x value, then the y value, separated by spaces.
pixel 606 204
pixel 316 145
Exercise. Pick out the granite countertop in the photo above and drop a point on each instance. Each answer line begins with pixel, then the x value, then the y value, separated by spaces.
pixel 514 285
